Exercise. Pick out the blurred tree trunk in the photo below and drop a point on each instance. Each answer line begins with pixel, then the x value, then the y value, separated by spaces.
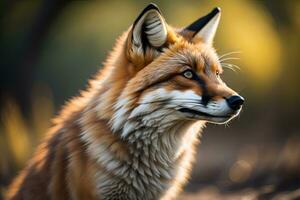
pixel 17 75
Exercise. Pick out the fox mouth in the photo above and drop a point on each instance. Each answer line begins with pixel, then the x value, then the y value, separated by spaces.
pixel 199 113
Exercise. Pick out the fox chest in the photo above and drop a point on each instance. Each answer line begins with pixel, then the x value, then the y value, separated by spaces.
pixel 153 160
pixel 146 176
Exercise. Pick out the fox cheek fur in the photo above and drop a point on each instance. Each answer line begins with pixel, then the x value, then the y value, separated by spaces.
pixel 133 133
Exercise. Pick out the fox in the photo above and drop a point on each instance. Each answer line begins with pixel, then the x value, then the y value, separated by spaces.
pixel 133 132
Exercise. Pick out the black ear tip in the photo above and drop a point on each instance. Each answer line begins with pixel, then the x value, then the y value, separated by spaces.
pixel 202 21
pixel 216 10
pixel 150 7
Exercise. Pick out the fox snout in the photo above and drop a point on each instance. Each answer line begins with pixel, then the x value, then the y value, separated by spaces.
pixel 221 91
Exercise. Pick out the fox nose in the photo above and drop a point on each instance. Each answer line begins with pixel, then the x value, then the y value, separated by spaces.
pixel 235 102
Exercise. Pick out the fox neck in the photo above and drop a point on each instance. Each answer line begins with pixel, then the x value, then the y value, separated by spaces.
pixel 150 131
pixel 155 150
pixel 153 145
pixel 153 141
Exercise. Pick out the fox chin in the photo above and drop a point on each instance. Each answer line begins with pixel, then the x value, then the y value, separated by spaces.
pixel 132 134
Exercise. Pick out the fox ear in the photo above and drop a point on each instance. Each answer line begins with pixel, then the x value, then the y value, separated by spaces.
pixel 149 29
pixel 206 26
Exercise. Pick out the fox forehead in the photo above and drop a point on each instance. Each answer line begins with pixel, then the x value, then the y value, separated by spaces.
pixel 198 56
pixel 182 55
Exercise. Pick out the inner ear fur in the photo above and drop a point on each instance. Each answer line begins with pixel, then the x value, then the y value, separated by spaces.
pixel 148 35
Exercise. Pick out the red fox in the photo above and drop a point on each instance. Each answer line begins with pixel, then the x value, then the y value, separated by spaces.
pixel 132 134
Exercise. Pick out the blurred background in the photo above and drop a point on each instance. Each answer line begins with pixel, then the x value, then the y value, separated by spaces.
pixel 50 48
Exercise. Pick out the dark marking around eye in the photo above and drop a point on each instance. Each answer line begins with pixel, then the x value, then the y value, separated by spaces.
pixel 206 65
pixel 205 96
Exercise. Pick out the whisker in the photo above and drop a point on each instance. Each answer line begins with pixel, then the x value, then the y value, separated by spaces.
pixel 226 125
pixel 229 58
pixel 228 67
pixel 230 53
pixel 232 65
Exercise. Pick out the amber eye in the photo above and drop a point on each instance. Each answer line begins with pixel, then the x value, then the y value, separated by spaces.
pixel 188 74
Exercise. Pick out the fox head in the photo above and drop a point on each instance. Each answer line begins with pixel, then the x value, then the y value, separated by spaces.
pixel 170 75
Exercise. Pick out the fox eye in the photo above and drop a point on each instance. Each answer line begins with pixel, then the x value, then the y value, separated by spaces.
pixel 217 73
pixel 188 74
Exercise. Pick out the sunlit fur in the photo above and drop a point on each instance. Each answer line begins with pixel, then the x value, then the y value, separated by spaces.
pixel 124 137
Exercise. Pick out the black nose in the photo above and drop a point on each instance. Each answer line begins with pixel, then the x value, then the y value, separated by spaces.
pixel 235 102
